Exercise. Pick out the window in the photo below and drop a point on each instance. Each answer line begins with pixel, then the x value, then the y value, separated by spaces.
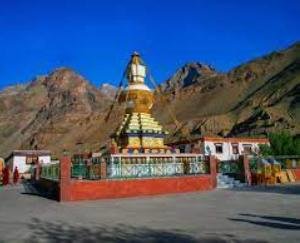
pixel 235 148
pixel 219 148
pixel 31 159
pixel 182 148
pixel 247 148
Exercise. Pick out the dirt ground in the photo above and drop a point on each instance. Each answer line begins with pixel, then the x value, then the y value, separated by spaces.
pixel 256 214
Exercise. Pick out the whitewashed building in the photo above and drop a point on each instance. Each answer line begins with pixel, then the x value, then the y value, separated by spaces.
pixel 224 149
pixel 25 159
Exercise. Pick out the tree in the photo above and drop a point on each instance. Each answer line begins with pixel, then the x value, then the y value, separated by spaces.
pixel 282 143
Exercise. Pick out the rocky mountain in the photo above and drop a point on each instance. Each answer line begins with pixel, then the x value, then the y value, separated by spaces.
pixel 108 90
pixel 63 111
pixel 189 74
pixel 251 100
pixel 60 111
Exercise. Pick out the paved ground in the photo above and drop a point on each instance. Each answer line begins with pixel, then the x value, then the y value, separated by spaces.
pixel 261 215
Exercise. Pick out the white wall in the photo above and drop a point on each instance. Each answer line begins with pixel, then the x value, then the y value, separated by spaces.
pixel 20 162
pixel 210 149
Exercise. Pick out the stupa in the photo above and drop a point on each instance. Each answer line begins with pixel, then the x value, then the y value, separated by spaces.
pixel 139 131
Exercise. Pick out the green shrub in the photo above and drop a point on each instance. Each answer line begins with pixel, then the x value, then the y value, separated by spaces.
pixel 282 143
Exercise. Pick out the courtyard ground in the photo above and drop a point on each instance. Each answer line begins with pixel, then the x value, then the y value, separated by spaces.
pixel 257 214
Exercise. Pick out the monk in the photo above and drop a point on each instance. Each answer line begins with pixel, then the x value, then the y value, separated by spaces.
pixel 5 175
pixel 16 175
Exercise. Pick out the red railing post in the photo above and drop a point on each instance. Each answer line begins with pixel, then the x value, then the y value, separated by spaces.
pixel 65 179
pixel 38 170
pixel 213 170
pixel 247 172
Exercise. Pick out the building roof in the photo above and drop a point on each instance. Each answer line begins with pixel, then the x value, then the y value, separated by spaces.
pixel 236 139
pixel 30 152
pixel 223 140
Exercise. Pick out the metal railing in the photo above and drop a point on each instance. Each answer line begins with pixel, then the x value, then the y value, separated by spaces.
pixel 50 171
pixel 137 166
pixel 81 170
pixel 121 170
pixel 129 167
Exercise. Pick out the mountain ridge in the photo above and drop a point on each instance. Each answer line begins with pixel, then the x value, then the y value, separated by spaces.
pixel 64 111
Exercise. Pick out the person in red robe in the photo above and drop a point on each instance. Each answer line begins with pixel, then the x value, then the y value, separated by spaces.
pixel 16 175
pixel 5 174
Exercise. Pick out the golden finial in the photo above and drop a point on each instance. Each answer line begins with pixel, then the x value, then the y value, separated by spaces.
pixel 135 58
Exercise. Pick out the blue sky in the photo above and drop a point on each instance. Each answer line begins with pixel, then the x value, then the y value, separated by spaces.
pixel 96 38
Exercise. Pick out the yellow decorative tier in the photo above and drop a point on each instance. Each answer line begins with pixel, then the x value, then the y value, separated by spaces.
pixel 142 131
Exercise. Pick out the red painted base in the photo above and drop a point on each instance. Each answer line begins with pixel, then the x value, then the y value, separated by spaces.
pixel 91 190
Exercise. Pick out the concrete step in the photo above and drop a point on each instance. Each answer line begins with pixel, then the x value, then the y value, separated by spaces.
pixel 229 179
pixel 224 181
pixel 225 186
pixel 241 185
pixel 236 182
pixel 222 176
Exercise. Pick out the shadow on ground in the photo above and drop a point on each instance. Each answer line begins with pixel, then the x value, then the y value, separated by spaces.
pixel 277 222
pixel 62 232
pixel 281 189
pixel 34 189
